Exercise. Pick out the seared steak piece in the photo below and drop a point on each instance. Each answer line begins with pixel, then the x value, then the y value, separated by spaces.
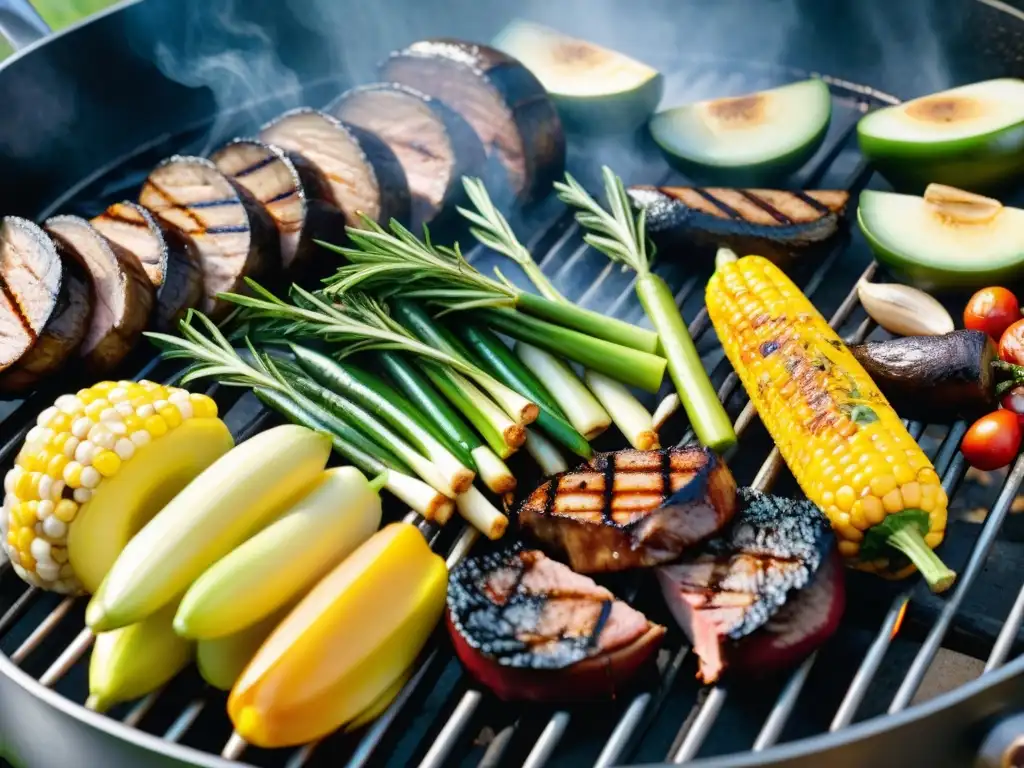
pixel 631 509
pixel 733 584
pixel 527 627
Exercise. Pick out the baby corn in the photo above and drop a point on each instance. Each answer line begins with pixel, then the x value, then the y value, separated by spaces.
pixel 840 437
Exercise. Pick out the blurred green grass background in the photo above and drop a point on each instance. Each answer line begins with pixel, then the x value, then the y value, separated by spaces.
pixel 61 13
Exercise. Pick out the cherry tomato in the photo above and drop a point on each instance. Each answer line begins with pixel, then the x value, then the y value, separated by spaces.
pixel 991 310
pixel 1014 401
pixel 992 441
pixel 1011 344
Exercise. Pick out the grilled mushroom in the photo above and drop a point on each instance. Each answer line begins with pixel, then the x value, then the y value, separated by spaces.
pixel 506 105
pixel 631 509
pixel 359 171
pixel 234 235
pixel 434 144
pixel 170 259
pixel 44 307
pixel 774 223
pixel 529 628
pixel 122 291
pixel 267 173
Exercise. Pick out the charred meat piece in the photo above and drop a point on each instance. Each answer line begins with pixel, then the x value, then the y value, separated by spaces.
pixel 631 509
pixel 44 308
pixel 123 295
pixel 358 171
pixel 434 144
pixel 268 174
pixel 507 106
pixel 778 224
pixel 529 628
pixel 733 584
pixel 234 235
pixel 170 259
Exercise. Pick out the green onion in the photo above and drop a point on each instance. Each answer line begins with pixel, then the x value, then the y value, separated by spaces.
pixel 481 514
pixel 582 409
pixel 335 377
pixel 491 469
pixel 492 229
pixel 500 432
pixel 545 453
pixel 623 238
pixel 638 369
pixel 666 408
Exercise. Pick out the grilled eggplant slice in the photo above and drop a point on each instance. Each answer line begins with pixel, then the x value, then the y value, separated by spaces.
pixel 268 174
pixel 506 105
pixel 169 258
pixel 124 297
pixel 234 235
pixel 733 584
pixel 359 171
pixel 529 628
pixel 44 308
pixel 434 144
pixel 934 378
pixel 631 509
pixel 777 224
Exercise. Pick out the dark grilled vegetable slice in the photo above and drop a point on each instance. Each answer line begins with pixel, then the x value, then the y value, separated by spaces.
pixel 529 628
pixel 631 509
pixel 933 378
pixel 434 144
pixel 169 258
pixel 733 584
pixel 123 295
pixel 234 235
pixel 44 306
pixel 506 105
pixel 268 174
pixel 359 172
pixel 773 223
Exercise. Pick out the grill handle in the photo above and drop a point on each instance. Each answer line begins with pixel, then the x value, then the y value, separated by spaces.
pixel 20 23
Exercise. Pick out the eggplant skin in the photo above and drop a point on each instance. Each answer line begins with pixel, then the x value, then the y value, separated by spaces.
pixel 933 378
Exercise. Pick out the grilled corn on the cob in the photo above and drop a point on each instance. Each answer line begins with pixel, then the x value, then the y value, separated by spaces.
pixel 840 437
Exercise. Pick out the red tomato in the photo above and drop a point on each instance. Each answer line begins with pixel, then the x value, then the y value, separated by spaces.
pixel 992 441
pixel 1014 401
pixel 1011 344
pixel 991 310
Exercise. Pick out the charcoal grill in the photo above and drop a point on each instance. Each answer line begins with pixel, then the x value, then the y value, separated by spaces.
pixel 87 113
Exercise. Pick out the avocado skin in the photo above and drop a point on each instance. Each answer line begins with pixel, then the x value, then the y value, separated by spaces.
pixel 936 379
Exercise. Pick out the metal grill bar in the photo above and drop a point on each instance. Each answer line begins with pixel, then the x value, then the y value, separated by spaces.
pixel 1003 644
pixel 772 728
pixel 39 634
pixel 692 734
pixel 67 659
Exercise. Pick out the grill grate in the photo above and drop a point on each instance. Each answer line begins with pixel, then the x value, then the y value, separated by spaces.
pixel 439 716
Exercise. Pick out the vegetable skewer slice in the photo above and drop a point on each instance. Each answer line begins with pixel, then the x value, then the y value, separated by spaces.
pixel 622 238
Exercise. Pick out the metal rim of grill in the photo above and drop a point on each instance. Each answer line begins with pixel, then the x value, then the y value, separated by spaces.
pixel 559 249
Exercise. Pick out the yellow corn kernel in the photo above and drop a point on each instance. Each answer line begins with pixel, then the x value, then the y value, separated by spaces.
pixel 132 423
pixel 25 538
pixel 25 514
pixel 934 538
pixel 73 474
pixel 882 484
pixel 107 463
pixel 911 493
pixel 203 407
pixel 857 517
pixel 156 426
pixel 103 386
pixel 171 415
pixel 903 474
pixel 874 512
pixel 65 510
pixel 893 502
pixel 845 498
pixel 27 561
pixel 55 467
pixel 849 548
pixel 27 486
pixel 928 477
pixel 96 407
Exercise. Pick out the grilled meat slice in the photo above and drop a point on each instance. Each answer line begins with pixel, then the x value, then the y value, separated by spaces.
pixel 169 258
pixel 529 628
pixel 234 235
pixel 45 306
pixel 777 224
pixel 302 216
pixel 434 144
pixel 733 584
pixel 509 109
pixel 124 296
pixel 358 171
pixel 631 509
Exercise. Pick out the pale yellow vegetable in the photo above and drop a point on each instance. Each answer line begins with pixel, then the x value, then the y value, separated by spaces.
pixel 223 659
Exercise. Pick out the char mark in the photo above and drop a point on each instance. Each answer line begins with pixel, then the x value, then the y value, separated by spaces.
pixel 725 208
pixel 767 207
pixel 256 166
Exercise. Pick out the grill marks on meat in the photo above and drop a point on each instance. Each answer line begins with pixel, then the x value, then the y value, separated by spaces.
pixel 434 144
pixel 45 305
pixel 521 622
pixel 169 258
pixel 122 294
pixel 631 508
pixel 359 172
pixel 777 223
pixel 735 583
pixel 505 104
pixel 234 235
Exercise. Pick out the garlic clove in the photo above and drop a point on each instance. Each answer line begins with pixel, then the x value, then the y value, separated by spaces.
pixel 955 206
pixel 903 310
